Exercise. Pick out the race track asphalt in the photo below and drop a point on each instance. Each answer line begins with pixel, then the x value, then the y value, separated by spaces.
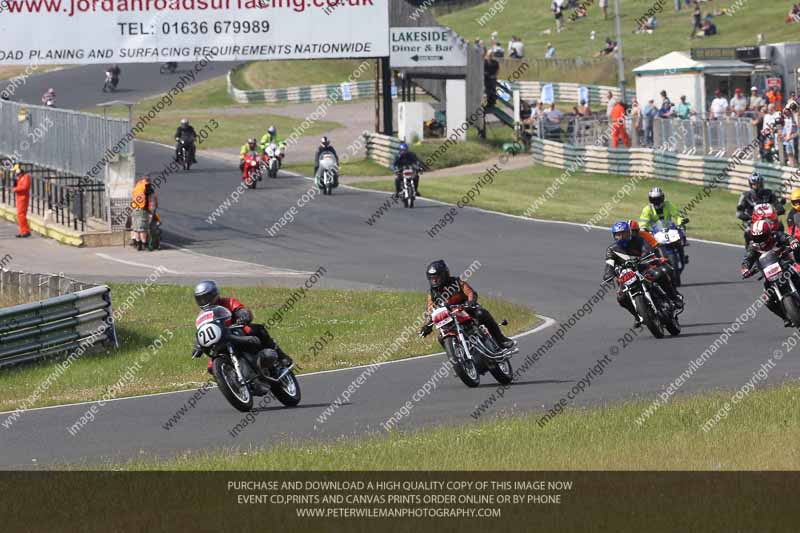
pixel 550 266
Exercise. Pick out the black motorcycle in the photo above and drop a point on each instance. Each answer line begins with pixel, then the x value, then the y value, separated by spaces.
pixel 654 307
pixel 111 83
pixel 241 375
pixel 470 347
pixel 184 157
pixel 168 68
pixel 780 275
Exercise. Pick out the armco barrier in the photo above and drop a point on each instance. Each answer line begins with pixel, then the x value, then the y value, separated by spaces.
pixel 68 314
pixel 382 148
pixel 697 170
pixel 311 93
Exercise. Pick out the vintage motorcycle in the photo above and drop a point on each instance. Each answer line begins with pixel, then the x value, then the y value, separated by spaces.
pixel 781 277
pixel 240 374
pixel 652 304
pixel 470 347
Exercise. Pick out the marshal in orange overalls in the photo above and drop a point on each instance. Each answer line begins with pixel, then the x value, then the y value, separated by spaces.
pixel 618 126
pixel 23 192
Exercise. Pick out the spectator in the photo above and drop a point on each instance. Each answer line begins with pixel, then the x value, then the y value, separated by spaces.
pixel 550 53
pixel 788 136
pixel 22 193
pixel 584 110
pixel 684 109
pixel 580 12
pixel 516 49
pixel 558 12
pixel 553 120
pixel 636 119
pixel 665 111
pixel 719 106
pixel 697 16
pixel 610 106
pixel 525 112
pixel 755 102
pixel 648 118
pixel 538 110
pixel 490 69
pixel 604 8
pixel 609 48
pixel 794 14
pixel 708 28
pixel 758 122
pixel 647 26
pixel 770 117
pixel 774 97
pixel 739 103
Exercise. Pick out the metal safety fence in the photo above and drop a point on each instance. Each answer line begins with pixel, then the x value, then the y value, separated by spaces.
pixel 61 139
pixel 68 315
pixel 63 198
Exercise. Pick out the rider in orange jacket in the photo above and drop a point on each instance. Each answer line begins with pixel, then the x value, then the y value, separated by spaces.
pixel 22 190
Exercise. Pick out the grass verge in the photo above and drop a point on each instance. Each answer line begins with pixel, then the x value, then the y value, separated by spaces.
pixel 273 74
pixel 354 167
pixel 581 198
pixel 209 108
pixel 363 324
pixel 760 433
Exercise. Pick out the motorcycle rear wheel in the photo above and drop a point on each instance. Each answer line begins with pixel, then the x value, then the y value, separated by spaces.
pixel 237 393
pixel 465 368
pixel 649 318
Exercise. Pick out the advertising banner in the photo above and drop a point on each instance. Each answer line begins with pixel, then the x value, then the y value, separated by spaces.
pixel 152 31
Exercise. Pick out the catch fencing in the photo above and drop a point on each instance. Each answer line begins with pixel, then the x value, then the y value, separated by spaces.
pixel 66 314
pixel 694 169
pixel 61 139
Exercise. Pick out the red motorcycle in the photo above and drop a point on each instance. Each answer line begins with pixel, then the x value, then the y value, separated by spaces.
pixel 471 348
pixel 252 172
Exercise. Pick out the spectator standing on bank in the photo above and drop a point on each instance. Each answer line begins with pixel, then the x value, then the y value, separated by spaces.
pixel 697 18
pixel 649 114
pixel 665 111
pixel 550 52
pixel 636 119
pixel 144 204
pixel 516 49
pixel 490 69
pixel 610 105
pixel 558 12
pixel 604 8
pixel 756 102
pixel 618 132
pixel 684 109
pixel 719 106
pixel 774 97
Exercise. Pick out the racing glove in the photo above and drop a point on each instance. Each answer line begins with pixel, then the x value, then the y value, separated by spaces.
pixel 197 352
pixel 745 272
pixel 426 330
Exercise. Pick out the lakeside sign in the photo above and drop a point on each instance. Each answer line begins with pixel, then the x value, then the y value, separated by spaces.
pixel 153 31
pixel 426 47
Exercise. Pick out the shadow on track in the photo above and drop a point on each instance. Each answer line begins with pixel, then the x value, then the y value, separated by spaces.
pixel 301 406
pixel 713 283
pixel 531 382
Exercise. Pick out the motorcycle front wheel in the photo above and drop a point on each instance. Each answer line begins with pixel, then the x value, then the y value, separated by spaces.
pixel 676 273
pixel 465 368
pixel 287 391
pixel 236 392
pixel 791 309
pixel 502 372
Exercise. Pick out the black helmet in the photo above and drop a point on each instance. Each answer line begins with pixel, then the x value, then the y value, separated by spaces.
pixel 325 142
pixel 756 180
pixel 206 293
pixel 656 197
pixel 437 274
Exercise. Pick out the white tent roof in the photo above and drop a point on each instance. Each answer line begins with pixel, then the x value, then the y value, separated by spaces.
pixel 675 62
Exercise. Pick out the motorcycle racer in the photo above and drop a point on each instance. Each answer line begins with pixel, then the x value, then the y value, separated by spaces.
pixel 405 158
pixel 206 294
pixel 756 195
pixel 655 271
pixel 446 291
pixel 764 239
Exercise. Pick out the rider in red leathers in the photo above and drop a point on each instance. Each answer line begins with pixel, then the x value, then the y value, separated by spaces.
pixel 206 294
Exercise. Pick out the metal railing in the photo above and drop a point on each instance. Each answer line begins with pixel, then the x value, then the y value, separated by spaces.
pixel 718 138
pixel 56 325
pixel 61 139
pixel 70 200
